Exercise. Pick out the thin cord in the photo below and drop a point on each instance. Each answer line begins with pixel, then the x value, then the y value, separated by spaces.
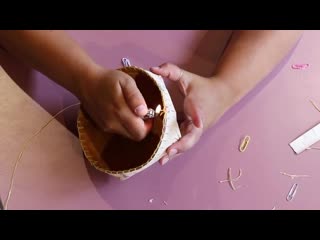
pixel 315 105
pixel 316 148
pixel 25 145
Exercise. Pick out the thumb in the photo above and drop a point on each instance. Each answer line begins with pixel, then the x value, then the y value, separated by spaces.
pixel 174 73
pixel 168 70
pixel 133 96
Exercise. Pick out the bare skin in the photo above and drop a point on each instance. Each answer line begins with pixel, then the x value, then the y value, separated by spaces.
pixel 113 99
pixel 249 57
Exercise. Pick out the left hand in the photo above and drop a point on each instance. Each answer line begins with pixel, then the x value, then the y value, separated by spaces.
pixel 205 101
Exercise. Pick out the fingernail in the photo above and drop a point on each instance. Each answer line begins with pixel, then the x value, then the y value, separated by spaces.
pixel 172 152
pixel 155 68
pixel 165 160
pixel 141 110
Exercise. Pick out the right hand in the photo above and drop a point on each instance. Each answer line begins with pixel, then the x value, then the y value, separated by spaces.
pixel 114 102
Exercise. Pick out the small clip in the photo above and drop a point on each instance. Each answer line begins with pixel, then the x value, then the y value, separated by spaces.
pixel 300 66
pixel 292 192
pixel 244 143
pixel 125 62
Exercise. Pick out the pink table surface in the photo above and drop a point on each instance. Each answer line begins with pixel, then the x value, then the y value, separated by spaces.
pixel 273 114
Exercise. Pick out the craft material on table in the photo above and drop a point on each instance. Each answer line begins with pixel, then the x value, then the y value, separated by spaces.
pixel 306 140
pixel 315 105
pixel 292 176
pixel 230 180
pixel 292 192
pixel 26 144
pixel 302 66
pixel 244 144
pixel 52 172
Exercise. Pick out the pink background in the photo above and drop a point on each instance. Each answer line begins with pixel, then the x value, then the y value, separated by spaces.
pixel 273 114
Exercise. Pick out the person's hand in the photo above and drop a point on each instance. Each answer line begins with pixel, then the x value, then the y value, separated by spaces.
pixel 205 101
pixel 114 102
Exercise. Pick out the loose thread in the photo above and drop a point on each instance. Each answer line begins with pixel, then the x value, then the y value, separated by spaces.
pixel 315 105
pixel 231 180
pixel 25 145
pixel 318 109
pixel 293 176
pixel 315 148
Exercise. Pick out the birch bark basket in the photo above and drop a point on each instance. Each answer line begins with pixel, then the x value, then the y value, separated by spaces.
pixel 122 157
